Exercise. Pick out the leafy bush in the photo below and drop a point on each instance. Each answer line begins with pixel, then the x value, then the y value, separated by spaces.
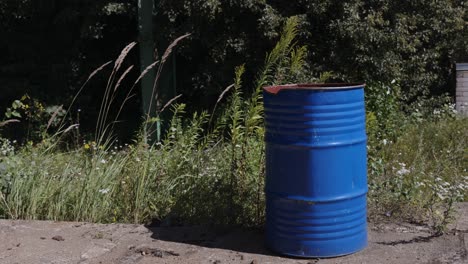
pixel 422 174
pixel 414 42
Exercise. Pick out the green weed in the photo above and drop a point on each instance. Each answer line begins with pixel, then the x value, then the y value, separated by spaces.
pixel 422 174
pixel 209 168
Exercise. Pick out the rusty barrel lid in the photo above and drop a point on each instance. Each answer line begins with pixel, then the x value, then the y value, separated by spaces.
pixel 274 89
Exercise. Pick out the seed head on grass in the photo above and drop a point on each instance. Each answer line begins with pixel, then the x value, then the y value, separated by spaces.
pixel 171 46
pixel 122 77
pixel 129 93
pixel 109 93
pixel 161 65
pixel 96 71
pixel 170 102
pixel 224 92
pixel 143 73
pixel 122 56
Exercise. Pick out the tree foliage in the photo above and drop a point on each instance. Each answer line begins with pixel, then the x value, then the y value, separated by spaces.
pixel 50 46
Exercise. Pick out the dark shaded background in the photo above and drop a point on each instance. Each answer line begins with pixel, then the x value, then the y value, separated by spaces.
pixel 49 47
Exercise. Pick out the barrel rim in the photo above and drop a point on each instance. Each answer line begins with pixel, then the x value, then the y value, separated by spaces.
pixel 274 89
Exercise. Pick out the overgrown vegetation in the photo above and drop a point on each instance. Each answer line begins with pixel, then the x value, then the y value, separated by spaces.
pixel 209 168
pixel 417 158
pixel 52 45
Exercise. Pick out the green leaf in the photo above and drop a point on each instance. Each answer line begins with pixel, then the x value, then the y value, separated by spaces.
pixel 17 104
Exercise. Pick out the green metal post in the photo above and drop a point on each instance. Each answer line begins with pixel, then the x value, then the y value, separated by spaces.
pixel 145 29
pixel 166 88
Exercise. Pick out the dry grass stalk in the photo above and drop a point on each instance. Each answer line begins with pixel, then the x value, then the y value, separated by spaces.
pixel 122 77
pixel 70 128
pixel 220 97
pixel 122 55
pixel 54 116
pixel 4 123
pixel 224 92
pixel 129 93
pixel 106 111
pixel 96 71
pixel 106 102
pixel 171 46
pixel 82 87
pixel 161 65
pixel 170 102
pixel 143 73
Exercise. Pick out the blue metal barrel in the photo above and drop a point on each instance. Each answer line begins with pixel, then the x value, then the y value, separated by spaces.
pixel 316 177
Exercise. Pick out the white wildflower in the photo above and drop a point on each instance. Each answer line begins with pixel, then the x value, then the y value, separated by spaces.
pixel 441 197
pixel 104 191
pixel 419 184
pixel 445 184
pixel 403 171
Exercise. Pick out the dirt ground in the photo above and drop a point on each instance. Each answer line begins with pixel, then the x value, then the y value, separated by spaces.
pixel 37 242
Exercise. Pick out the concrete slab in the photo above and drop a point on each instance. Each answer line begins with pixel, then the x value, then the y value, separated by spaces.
pixel 28 242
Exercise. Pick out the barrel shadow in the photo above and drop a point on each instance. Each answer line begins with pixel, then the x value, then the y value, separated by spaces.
pixel 235 239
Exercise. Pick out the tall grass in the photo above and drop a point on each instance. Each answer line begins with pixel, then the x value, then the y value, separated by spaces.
pixel 210 168
pixel 420 176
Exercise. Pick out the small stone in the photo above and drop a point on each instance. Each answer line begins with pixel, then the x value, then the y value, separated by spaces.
pixel 43 238
pixel 254 261
pixel 155 252
pixel 98 235
pixel 97 250
pixel 58 238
